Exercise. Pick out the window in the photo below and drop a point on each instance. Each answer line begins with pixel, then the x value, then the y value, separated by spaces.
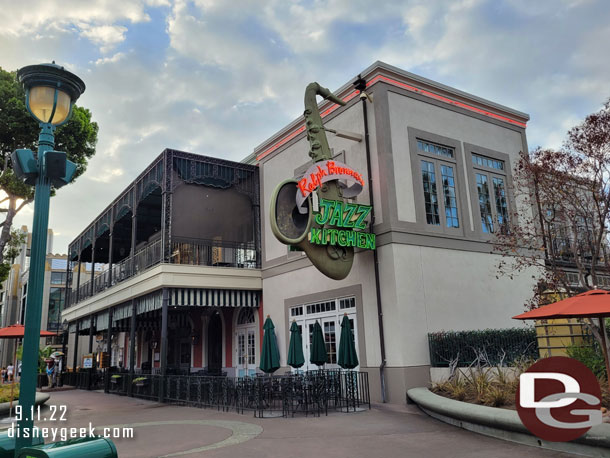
pixel 483 161
pixel 56 305
pixel 246 316
pixel 431 202
pixel 439 150
pixel 491 182
pixel 430 196
pixel 58 278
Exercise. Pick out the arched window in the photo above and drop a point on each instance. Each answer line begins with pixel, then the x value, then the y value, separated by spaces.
pixel 246 316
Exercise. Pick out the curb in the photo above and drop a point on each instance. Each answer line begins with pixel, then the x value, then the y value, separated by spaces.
pixel 41 398
pixel 505 424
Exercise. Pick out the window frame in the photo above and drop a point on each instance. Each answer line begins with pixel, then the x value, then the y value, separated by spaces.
pixel 505 174
pixel 456 162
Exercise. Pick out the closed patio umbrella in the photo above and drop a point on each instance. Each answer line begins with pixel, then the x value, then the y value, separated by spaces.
pixel 318 355
pixel 348 359
pixel 270 356
pixel 295 348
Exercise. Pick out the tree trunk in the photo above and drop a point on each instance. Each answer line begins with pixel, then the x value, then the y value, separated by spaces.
pixel 7 224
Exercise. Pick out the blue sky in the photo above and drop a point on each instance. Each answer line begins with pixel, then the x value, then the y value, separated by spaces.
pixel 218 77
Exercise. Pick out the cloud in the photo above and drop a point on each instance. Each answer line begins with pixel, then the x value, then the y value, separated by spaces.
pixel 106 36
pixel 218 78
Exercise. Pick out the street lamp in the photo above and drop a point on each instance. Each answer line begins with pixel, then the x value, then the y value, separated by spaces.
pixel 50 92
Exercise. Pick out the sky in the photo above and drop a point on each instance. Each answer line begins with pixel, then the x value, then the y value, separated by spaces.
pixel 219 77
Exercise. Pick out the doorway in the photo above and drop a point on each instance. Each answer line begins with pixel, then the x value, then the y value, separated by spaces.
pixel 215 344
pixel 245 344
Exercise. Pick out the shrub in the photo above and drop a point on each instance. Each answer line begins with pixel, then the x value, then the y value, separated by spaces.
pixel 591 356
pixel 489 347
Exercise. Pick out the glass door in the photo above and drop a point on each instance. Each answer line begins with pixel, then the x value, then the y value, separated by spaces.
pixel 246 351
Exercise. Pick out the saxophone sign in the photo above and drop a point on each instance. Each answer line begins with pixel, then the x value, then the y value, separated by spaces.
pixel 558 399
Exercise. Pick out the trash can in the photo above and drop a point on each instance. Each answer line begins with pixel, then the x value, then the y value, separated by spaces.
pixel 7 444
pixel 90 447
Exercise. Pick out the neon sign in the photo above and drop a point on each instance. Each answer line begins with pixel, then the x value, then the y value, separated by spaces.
pixel 343 215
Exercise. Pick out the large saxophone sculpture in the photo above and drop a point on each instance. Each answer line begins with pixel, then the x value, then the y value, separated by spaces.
pixel 292 227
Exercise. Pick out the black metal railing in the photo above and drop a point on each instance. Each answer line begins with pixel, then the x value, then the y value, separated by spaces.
pixel 308 393
pixel 200 252
pixel 203 252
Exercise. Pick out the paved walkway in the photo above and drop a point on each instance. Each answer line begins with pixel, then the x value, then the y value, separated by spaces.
pixel 384 431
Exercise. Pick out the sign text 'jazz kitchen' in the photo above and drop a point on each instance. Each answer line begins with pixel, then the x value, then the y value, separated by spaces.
pixel 343 215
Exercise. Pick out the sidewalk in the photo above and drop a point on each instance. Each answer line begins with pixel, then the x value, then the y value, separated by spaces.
pixel 384 431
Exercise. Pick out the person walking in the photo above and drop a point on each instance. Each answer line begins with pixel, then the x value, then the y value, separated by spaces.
pixel 3 374
pixel 9 372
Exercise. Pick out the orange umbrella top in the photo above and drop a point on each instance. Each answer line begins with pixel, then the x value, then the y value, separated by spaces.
pixel 594 303
pixel 15 331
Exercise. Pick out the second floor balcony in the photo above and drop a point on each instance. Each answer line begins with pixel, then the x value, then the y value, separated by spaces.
pixel 183 209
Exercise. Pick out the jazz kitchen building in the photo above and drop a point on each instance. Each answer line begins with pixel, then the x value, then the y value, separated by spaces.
pixel 190 255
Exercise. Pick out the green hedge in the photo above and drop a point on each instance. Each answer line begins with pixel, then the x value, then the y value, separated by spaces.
pixel 515 342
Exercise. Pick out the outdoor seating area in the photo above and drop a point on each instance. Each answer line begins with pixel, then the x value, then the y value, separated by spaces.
pixel 300 393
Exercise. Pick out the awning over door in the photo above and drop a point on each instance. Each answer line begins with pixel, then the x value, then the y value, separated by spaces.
pixel 200 297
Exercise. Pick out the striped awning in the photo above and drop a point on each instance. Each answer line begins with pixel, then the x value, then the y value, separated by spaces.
pixel 200 297
pixel 149 302
pixel 121 312
pixel 102 322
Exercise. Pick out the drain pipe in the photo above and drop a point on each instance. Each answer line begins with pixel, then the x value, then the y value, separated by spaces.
pixel 360 85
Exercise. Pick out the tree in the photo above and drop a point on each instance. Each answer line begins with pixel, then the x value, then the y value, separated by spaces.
pixel 18 129
pixel 565 239
pixel 11 251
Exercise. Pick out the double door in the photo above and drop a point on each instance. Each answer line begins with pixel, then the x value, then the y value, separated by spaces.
pixel 246 351
pixel 331 330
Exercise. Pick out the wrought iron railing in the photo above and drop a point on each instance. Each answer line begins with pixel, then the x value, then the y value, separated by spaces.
pixel 307 393
pixel 200 252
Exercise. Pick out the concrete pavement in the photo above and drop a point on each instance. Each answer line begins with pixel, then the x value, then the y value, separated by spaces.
pixel 384 431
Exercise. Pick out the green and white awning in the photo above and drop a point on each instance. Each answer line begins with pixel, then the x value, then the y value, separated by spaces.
pixel 200 297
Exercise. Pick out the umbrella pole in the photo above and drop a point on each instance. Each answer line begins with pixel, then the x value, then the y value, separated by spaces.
pixel 602 325
pixel 10 407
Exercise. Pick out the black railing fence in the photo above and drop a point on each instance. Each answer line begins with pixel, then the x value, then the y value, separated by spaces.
pixel 308 393
pixel 489 346
pixel 200 252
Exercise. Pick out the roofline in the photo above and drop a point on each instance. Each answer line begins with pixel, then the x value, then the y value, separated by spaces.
pixel 385 73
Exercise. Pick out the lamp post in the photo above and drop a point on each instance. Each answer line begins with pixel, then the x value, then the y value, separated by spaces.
pixel 50 93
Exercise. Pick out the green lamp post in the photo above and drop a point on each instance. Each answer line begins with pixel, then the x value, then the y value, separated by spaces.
pixel 50 94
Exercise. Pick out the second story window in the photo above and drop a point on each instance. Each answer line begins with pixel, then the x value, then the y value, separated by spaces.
pixel 490 174
pixel 439 187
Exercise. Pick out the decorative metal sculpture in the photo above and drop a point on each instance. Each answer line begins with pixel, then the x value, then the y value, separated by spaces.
pixel 291 223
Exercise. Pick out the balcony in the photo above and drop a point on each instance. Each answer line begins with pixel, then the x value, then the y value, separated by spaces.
pixel 198 252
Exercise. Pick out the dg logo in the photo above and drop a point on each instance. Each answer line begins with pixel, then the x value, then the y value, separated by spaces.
pixel 559 399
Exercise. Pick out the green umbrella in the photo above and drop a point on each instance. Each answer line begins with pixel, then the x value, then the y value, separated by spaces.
pixel 295 348
pixel 270 356
pixel 318 355
pixel 348 359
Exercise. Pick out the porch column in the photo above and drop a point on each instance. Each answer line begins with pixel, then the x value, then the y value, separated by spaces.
pixel 109 351
pixel 163 363
pixel 78 279
pixel 110 249
pixel 91 335
pixel 90 352
pixel 75 356
pixel 132 347
pixel 92 290
pixel 134 227
pixel 68 287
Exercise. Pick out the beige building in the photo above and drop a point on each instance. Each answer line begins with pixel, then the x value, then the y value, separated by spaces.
pixel 441 163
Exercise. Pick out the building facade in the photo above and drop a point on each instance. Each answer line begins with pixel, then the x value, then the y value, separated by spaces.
pixel 176 285
pixel 440 165
pixel 14 295
pixel 188 256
